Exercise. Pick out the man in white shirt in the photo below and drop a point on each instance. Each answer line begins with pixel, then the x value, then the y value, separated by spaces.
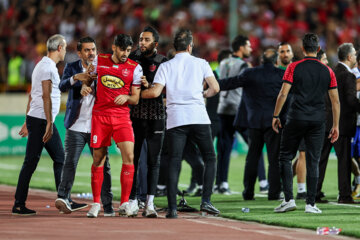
pixel 78 130
pixel 183 77
pixel 43 106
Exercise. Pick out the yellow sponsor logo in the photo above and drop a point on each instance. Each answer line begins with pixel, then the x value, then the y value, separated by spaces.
pixel 112 82
pixel 133 64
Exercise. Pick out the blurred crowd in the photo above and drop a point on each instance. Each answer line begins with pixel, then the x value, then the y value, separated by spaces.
pixel 25 26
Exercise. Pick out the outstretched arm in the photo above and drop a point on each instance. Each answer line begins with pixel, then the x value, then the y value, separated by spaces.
pixel 213 87
pixel 153 92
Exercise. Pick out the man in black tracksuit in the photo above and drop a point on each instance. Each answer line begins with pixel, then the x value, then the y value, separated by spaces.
pixel 309 80
pixel 148 117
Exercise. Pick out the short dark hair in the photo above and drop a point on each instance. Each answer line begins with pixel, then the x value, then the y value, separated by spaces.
pixel 310 43
pixel 153 31
pixel 283 44
pixel 358 56
pixel 319 54
pixel 270 55
pixel 344 50
pixel 183 39
pixel 239 41
pixel 123 41
pixel 84 40
pixel 223 54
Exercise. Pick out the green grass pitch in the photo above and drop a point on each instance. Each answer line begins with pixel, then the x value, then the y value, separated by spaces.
pixel 261 210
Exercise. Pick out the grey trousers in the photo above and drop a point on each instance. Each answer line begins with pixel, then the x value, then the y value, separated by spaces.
pixel 74 145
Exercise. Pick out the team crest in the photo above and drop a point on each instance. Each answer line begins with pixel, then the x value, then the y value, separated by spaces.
pixel 125 72
pixel 152 67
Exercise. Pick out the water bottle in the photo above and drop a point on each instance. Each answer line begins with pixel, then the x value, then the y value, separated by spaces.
pixel 245 210
pixel 322 231
pixel 334 231
pixel 83 195
pixel 89 196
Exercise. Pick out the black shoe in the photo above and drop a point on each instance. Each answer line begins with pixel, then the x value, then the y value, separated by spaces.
pixel 109 210
pixel 191 189
pixel 171 214
pixel 216 189
pixel 319 200
pixel 22 210
pixel 160 192
pixel 264 190
pixel 275 196
pixel 301 195
pixel 225 191
pixel 321 195
pixel 77 206
pixel 247 198
pixel 179 192
pixel 198 192
pixel 209 208
pixel 347 200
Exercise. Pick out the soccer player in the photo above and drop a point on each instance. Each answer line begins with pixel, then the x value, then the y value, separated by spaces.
pixel 42 108
pixel 118 84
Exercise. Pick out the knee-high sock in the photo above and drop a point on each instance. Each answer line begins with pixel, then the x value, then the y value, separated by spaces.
pixel 126 180
pixel 97 177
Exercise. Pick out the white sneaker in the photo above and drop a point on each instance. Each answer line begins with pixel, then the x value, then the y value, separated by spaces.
pixel 122 207
pixel 286 206
pixel 312 209
pixel 150 211
pixel 132 208
pixel 94 210
pixel 109 214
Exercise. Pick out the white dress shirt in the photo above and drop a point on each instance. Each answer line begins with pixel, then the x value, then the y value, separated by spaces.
pixel 83 122
pixel 183 77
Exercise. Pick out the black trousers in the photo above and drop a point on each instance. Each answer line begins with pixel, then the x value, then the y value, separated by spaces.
pixel 153 132
pixel 343 152
pixel 34 146
pixel 141 182
pixel 74 145
pixel 313 134
pixel 224 147
pixel 176 140
pixel 257 138
pixel 191 155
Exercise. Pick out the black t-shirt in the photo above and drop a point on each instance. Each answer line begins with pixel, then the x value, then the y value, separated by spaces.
pixel 310 81
pixel 152 109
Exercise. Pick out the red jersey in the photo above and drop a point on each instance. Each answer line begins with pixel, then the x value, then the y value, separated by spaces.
pixel 114 80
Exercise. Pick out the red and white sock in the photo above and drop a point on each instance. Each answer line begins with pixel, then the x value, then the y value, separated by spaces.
pixel 97 177
pixel 126 180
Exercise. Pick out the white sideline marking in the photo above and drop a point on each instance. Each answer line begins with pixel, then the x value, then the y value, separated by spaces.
pixel 343 204
pixel 242 229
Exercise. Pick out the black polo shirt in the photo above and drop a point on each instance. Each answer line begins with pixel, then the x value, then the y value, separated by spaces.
pixel 310 80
